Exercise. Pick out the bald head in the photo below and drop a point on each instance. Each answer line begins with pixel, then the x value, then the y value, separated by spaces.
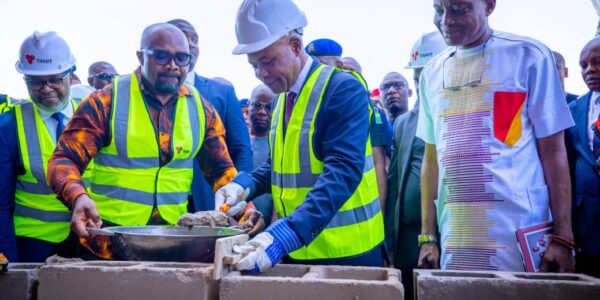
pixel 394 94
pixel 589 61
pixel 259 110
pixel 161 32
pixel 351 64
pixel 164 58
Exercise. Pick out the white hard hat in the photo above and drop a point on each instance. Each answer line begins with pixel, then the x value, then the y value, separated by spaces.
pixel 426 48
pixel 262 22
pixel 44 54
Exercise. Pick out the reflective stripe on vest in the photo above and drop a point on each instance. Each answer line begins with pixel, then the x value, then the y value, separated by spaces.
pixel 38 213
pixel 9 102
pixel 295 170
pixel 127 180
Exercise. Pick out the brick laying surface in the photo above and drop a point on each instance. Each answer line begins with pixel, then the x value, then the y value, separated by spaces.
pixel 465 285
pixel 127 280
pixel 291 282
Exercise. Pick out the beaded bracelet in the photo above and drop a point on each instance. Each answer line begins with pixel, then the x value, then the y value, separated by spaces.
pixel 565 242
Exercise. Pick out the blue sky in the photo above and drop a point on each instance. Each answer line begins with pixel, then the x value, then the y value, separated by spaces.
pixel 379 33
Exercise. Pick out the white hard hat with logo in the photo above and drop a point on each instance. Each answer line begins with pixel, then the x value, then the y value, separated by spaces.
pixel 426 48
pixel 44 54
pixel 262 22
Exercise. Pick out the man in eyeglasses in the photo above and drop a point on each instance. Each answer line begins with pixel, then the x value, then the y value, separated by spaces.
pixel 222 96
pixel 143 139
pixel 320 170
pixel 34 224
pixel 492 115
pixel 394 95
pixel 101 74
pixel 259 111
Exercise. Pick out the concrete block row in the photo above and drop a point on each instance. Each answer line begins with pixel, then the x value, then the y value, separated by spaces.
pixel 467 285
pixel 20 281
pixel 301 282
pixel 127 280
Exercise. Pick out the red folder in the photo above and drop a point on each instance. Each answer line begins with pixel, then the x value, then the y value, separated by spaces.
pixel 533 242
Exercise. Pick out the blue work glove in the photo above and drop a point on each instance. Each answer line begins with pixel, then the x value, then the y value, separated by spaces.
pixel 267 248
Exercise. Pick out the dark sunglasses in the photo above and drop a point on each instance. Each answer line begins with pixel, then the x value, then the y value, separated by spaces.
pixel 397 85
pixel 163 57
pixel 53 83
pixel 104 76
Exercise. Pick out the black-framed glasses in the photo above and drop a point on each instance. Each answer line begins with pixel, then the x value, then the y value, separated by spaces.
pixel 397 85
pixel 103 76
pixel 471 72
pixel 53 83
pixel 258 106
pixel 163 57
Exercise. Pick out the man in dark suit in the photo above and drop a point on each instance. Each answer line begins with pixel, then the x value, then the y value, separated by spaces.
pixel 583 144
pixel 403 211
pixel 321 175
pixel 223 98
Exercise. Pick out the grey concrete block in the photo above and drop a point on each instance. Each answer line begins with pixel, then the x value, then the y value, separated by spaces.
pixel 20 282
pixel 301 282
pixel 127 280
pixel 466 285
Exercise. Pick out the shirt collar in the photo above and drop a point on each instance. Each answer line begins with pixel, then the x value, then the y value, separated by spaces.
pixel 183 90
pixel 596 98
pixel 297 86
pixel 67 112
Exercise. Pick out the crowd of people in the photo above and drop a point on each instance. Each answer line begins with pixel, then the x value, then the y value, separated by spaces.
pixel 337 171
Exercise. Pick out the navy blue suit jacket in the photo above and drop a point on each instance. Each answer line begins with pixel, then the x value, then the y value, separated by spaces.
pixel 586 182
pixel 237 138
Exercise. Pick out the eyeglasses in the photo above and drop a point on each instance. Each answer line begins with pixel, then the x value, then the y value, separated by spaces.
pixel 471 72
pixel 53 83
pixel 397 85
pixel 258 106
pixel 104 76
pixel 163 57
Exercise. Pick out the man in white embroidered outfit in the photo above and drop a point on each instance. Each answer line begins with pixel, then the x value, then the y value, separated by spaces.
pixel 492 117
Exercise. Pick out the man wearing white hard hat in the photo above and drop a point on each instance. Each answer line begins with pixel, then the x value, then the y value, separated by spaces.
pixel 29 208
pixel 320 170
pixel 402 214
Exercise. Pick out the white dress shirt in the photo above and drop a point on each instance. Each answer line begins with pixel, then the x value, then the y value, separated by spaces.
pixel 51 122
pixel 297 86
pixel 593 112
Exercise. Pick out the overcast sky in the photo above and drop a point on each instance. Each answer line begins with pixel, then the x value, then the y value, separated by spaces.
pixel 378 33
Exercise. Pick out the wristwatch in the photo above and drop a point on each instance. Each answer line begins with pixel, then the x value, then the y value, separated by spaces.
pixel 426 238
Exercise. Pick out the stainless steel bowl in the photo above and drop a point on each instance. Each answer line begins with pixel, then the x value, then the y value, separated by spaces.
pixel 166 243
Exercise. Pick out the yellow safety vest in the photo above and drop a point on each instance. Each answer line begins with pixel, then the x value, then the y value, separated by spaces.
pixel 127 180
pixel 358 225
pixel 38 213
pixel 7 103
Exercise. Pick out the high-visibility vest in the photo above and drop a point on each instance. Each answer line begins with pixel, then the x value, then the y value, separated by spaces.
pixel 360 78
pixel 127 181
pixel 6 103
pixel 358 225
pixel 38 213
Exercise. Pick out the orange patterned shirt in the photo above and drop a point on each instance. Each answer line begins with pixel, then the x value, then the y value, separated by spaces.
pixel 89 130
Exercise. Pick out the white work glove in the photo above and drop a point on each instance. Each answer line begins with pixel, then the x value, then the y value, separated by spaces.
pixel 230 194
pixel 267 248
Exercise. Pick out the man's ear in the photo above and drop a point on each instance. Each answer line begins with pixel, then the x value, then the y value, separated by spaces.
pixel 410 92
pixel 566 72
pixel 490 5
pixel 296 45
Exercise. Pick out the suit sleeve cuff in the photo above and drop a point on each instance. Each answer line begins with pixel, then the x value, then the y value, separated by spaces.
pixel 285 235
pixel 246 181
